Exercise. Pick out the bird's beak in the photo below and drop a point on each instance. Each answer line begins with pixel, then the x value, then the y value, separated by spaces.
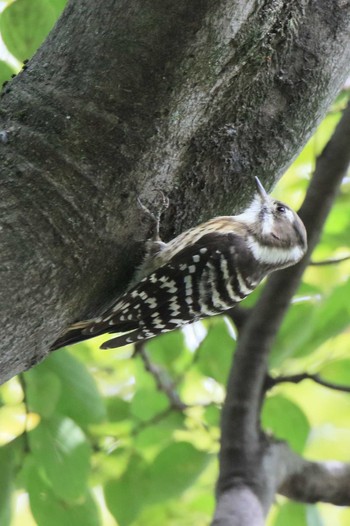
pixel 261 190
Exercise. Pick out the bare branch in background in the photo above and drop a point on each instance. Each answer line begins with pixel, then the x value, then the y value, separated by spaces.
pixel 297 378
pixel 332 261
pixel 163 382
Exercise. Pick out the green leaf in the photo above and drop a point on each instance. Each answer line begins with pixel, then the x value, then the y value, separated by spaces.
pixel 291 514
pixel 289 340
pixel 155 437
pixel 286 420
pixel 25 24
pixel 215 351
pixel 117 409
pixel 79 399
pixel 337 371
pixel 336 231
pixel 6 477
pixel 212 415
pixel 125 497
pixel 309 324
pixel 330 318
pixel 49 510
pixel 146 404
pixel 174 470
pixel 166 348
pixel 5 72
pixel 39 380
pixel 61 448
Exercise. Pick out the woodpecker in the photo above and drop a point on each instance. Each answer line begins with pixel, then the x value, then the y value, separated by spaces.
pixel 200 273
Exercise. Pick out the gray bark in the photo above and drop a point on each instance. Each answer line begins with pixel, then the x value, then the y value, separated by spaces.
pixel 127 97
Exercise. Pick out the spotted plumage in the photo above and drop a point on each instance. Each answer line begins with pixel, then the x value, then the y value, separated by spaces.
pixel 201 273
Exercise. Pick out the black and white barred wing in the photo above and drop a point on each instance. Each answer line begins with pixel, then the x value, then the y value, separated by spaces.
pixel 201 280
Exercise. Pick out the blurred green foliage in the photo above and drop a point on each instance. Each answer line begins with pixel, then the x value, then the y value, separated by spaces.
pixel 95 438
pixel 24 24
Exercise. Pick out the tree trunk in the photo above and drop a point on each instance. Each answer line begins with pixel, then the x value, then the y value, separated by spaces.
pixel 254 467
pixel 127 97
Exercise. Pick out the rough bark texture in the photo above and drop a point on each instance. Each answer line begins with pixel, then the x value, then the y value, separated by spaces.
pixel 194 98
pixel 127 97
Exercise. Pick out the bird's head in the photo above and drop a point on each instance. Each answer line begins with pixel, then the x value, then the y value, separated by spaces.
pixel 276 233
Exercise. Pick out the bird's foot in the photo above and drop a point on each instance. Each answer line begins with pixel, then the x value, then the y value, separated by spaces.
pixel 155 216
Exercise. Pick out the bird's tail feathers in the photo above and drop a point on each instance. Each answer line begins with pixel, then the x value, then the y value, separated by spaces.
pixel 128 338
pixel 74 334
pixel 84 330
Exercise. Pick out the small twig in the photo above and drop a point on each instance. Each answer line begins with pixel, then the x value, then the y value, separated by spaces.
pixel 156 215
pixel 297 378
pixel 332 261
pixel 156 419
pixel 163 383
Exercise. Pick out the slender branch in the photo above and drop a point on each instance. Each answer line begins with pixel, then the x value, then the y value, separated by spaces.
pixel 156 419
pixel 332 261
pixel 297 378
pixel 163 382
pixel 343 388
pixel 241 448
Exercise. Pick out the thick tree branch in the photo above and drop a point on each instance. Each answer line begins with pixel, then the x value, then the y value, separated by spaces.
pixel 242 450
pixel 238 505
pixel 126 97
pixel 311 482
pixel 290 475
pixel 239 316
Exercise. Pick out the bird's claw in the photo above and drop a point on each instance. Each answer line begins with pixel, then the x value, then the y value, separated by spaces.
pixel 155 216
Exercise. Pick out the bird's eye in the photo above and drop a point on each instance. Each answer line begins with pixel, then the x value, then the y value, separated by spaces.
pixel 281 209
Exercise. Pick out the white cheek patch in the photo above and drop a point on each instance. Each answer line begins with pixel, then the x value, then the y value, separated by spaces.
pixel 274 255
